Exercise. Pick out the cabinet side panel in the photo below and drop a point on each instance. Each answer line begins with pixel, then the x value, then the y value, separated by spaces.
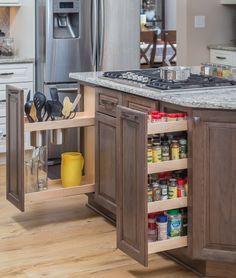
pixel 15 147
pixel 214 189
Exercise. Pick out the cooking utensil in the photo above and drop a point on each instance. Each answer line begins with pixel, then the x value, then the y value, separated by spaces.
pixel 67 107
pixel 39 102
pixel 55 108
pixel 28 107
pixel 54 94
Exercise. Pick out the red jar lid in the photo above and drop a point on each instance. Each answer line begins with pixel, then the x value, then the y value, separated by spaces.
pixel 156 112
pixel 180 115
pixel 172 115
pixel 156 117
pixel 181 182
pixel 163 114
pixel 152 215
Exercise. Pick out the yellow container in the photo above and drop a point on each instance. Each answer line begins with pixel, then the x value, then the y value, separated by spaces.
pixel 72 164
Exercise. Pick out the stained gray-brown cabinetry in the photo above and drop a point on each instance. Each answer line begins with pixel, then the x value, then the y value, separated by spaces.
pixel 214 186
pixel 106 178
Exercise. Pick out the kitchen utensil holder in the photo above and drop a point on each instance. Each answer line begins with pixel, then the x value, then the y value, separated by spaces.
pixel 36 138
pixel 57 136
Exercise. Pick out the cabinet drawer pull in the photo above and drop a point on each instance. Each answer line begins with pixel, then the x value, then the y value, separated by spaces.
pixel 6 73
pixel 221 57
pixel 130 117
pixel 107 102
pixel 196 120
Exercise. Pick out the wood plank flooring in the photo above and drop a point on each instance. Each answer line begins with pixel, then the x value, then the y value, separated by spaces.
pixel 63 238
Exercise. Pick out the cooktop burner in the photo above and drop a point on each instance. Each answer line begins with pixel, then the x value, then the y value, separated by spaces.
pixel 151 78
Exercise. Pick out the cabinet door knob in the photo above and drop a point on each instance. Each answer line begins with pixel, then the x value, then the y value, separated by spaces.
pixel 196 120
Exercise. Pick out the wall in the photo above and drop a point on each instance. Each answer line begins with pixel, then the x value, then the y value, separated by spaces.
pixel 5 20
pixel 170 14
pixel 192 42
pixel 22 28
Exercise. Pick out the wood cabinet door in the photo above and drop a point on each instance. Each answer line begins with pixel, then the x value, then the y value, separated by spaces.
pixel 132 183
pixel 15 147
pixel 214 186
pixel 105 190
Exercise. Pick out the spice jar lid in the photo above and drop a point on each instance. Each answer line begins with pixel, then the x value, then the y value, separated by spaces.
pixel 172 115
pixel 156 112
pixel 181 182
pixel 183 141
pixel 180 115
pixel 174 141
pixel 173 211
pixel 163 114
pixel 156 116
pixel 161 218
pixel 152 215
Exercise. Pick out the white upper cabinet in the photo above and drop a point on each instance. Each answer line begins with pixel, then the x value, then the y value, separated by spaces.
pixel 228 2
pixel 10 2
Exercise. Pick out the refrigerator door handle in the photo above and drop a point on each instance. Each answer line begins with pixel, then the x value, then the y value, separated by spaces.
pixel 94 20
pixel 101 30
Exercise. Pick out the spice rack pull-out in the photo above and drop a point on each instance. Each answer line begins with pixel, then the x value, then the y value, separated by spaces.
pixel 132 209
pixel 167 127
pixel 17 126
pixel 164 205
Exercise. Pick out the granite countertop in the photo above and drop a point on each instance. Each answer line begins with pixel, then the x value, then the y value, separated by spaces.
pixel 210 98
pixel 15 60
pixel 227 47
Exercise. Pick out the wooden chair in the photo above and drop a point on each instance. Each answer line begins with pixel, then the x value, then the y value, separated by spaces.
pixel 150 38
pixel 169 38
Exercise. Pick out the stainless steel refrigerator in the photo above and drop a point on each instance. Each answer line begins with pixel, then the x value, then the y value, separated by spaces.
pixel 80 36
pixel 84 35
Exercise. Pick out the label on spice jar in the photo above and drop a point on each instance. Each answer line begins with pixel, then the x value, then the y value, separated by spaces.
pixel 172 192
pixel 175 153
pixel 156 155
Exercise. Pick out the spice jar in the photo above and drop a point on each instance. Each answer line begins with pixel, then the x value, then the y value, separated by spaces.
pixel 186 187
pixel 171 117
pixel 152 230
pixel 156 192
pixel 156 152
pixel 149 150
pixel 180 188
pixel 164 190
pixel 165 151
pixel 175 150
pixel 164 117
pixel 180 116
pixel 156 118
pixel 149 194
pixel 161 222
pixel 172 189
pixel 183 148
pixel 174 223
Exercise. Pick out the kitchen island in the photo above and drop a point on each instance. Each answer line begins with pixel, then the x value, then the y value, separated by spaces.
pixel 121 133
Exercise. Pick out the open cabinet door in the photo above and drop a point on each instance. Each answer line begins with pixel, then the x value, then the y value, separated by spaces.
pixel 132 184
pixel 15 147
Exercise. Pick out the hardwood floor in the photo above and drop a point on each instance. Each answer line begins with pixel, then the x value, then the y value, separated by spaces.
pixel 64 239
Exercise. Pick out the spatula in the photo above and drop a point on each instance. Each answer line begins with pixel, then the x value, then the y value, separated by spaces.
pixel 39 102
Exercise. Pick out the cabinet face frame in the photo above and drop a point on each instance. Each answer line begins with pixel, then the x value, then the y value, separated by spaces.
pixel 206 243
pixel 15 147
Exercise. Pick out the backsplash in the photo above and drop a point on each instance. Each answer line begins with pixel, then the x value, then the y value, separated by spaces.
pixel 5 20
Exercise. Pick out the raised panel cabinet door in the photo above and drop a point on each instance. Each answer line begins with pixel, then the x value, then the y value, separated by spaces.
pixel 132 183
pixel 15 147
pixel 214 186
pixel 105 190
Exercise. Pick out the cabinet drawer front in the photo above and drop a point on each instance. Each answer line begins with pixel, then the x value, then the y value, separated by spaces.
pixel 139 103
pixel 12 73
pixel 107 101
pixel 222 57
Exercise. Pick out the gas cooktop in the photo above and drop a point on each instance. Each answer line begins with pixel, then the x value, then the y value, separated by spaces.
pixel 151 78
